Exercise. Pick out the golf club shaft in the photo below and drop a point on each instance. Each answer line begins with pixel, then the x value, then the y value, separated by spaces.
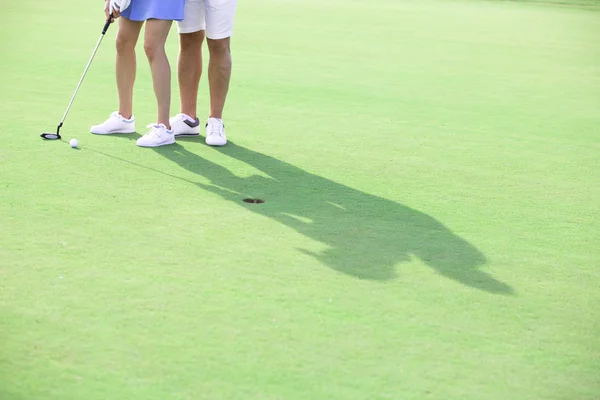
pixel 87 67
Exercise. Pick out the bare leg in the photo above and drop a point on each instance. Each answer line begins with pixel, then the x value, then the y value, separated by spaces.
pixel 127 37
pixel 154 44
pixel 219 74
pixel 189 70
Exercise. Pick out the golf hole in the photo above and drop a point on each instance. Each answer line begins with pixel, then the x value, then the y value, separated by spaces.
pixel 254 201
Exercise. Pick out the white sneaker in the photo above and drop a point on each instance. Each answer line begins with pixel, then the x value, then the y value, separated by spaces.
pixel 114 124
pixel 215 132
pixel 183 125
pixel 159 135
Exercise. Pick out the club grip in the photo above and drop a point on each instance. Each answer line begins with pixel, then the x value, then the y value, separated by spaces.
pixel 107 24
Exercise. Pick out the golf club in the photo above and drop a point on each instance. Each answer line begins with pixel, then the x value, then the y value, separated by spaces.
pixel 56 136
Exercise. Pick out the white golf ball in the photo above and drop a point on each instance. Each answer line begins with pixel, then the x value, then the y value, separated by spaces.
pixel 73 142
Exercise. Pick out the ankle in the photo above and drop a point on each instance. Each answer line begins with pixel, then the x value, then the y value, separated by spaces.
pixel 166 124
pixel 191 116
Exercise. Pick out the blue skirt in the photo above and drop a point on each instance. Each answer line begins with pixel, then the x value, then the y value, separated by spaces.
pixel 142 10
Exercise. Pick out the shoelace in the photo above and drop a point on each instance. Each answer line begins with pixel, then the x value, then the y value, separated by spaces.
pixel 156 128
pixel 216 128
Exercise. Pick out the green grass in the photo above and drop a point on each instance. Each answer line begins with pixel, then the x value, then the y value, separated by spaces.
pixel 431 228
pixel 592 3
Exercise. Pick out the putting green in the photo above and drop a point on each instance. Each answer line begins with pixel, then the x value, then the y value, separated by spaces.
pixel 430 230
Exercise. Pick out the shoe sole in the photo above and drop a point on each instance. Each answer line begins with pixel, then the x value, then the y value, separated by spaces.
pixel 155 145
pixel 187 134
pixel 216 144
pixel 111 133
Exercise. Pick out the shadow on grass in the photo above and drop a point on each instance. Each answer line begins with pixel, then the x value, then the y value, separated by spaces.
pixel 366 235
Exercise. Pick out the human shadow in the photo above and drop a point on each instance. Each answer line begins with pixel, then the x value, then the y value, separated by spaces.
pixel 366 235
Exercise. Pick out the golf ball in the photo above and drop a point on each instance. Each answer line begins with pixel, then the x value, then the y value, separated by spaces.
pixel 73 142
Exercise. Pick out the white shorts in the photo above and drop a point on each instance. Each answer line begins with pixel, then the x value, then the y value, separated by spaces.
pixel 214 16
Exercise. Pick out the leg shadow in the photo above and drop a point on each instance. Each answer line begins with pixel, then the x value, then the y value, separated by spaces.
pixel 366 236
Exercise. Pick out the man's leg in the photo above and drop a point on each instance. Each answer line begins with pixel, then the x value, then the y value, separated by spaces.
pixel 189 70
pixel 220 15
pixel 219 74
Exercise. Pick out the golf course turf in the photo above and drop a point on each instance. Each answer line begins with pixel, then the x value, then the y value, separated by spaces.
pixel 429 173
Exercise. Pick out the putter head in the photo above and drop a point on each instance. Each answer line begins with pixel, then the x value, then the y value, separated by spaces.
pixel 50 136
pixel 53 136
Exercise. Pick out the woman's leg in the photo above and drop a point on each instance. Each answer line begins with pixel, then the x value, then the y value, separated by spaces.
pixel 157 31
pixel 127 37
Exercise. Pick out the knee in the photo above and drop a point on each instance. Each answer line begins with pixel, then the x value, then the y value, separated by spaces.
pixel 152 49
pixel 124 44
pixel 219 48
pixel 191 43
